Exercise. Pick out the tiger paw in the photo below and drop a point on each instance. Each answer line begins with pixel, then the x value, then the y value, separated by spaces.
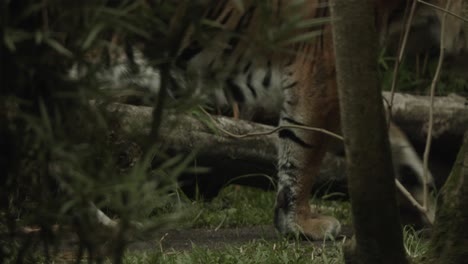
pixel 307 224
pixel 318 227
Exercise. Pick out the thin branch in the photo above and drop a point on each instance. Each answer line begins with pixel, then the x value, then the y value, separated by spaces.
pixel 276 129
pixel 427 149
pixel 446 11
pixel 413 201
pixel 45 16
pixel 403 44
pixel 400 54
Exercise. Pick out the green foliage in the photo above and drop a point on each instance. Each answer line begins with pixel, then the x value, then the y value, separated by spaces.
pixel 416 73
pixel 58 150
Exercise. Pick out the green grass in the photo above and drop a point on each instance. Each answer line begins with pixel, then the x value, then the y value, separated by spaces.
pixel 282 251
pixel 415 245
pixel 235 206
pixel 240 206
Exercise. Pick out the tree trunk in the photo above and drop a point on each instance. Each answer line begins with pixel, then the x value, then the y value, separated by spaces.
pixel 449 243
pixel 378 233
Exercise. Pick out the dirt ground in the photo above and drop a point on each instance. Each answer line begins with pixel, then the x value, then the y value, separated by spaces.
pixel 185 240
pixel 208 238
pixel 180 240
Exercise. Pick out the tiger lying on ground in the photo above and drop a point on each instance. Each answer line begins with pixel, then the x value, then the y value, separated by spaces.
pixel 303 72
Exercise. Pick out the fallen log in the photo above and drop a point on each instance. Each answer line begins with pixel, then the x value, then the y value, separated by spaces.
pixel 411 113
pixel 250 160
pixel 229 158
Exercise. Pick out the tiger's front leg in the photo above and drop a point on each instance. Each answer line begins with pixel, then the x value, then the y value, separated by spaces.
pixel 298 164
pixel 311 100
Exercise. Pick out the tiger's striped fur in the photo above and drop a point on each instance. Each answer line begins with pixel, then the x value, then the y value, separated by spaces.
pixel 303 72
pixel 306 78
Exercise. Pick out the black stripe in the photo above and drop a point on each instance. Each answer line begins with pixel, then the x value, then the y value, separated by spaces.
pixel 323 12
pixel 267 79
pixel 243 22
pixel 291 85
pixel 292 121
pixel 285 201
pixel 191 51
pixel 235 90
pixel 246 18
pixel 213 13
pixel 288 134
pixel 247 67
pixel 226 18
pixel 250 86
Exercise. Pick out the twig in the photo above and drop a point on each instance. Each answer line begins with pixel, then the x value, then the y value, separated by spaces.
pixel 45 17
pixel 160 242
pixel 413 201
pixel 446 11
pixel 400 54
pixel 276 129
pixel 427 149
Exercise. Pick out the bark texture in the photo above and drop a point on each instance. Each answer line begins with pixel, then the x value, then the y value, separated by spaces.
pixel 227 157
pixel 410 112
pixel 378 233
pixel 449 243
pixel 230 157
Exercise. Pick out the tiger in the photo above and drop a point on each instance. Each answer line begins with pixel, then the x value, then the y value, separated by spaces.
pixel 298 84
